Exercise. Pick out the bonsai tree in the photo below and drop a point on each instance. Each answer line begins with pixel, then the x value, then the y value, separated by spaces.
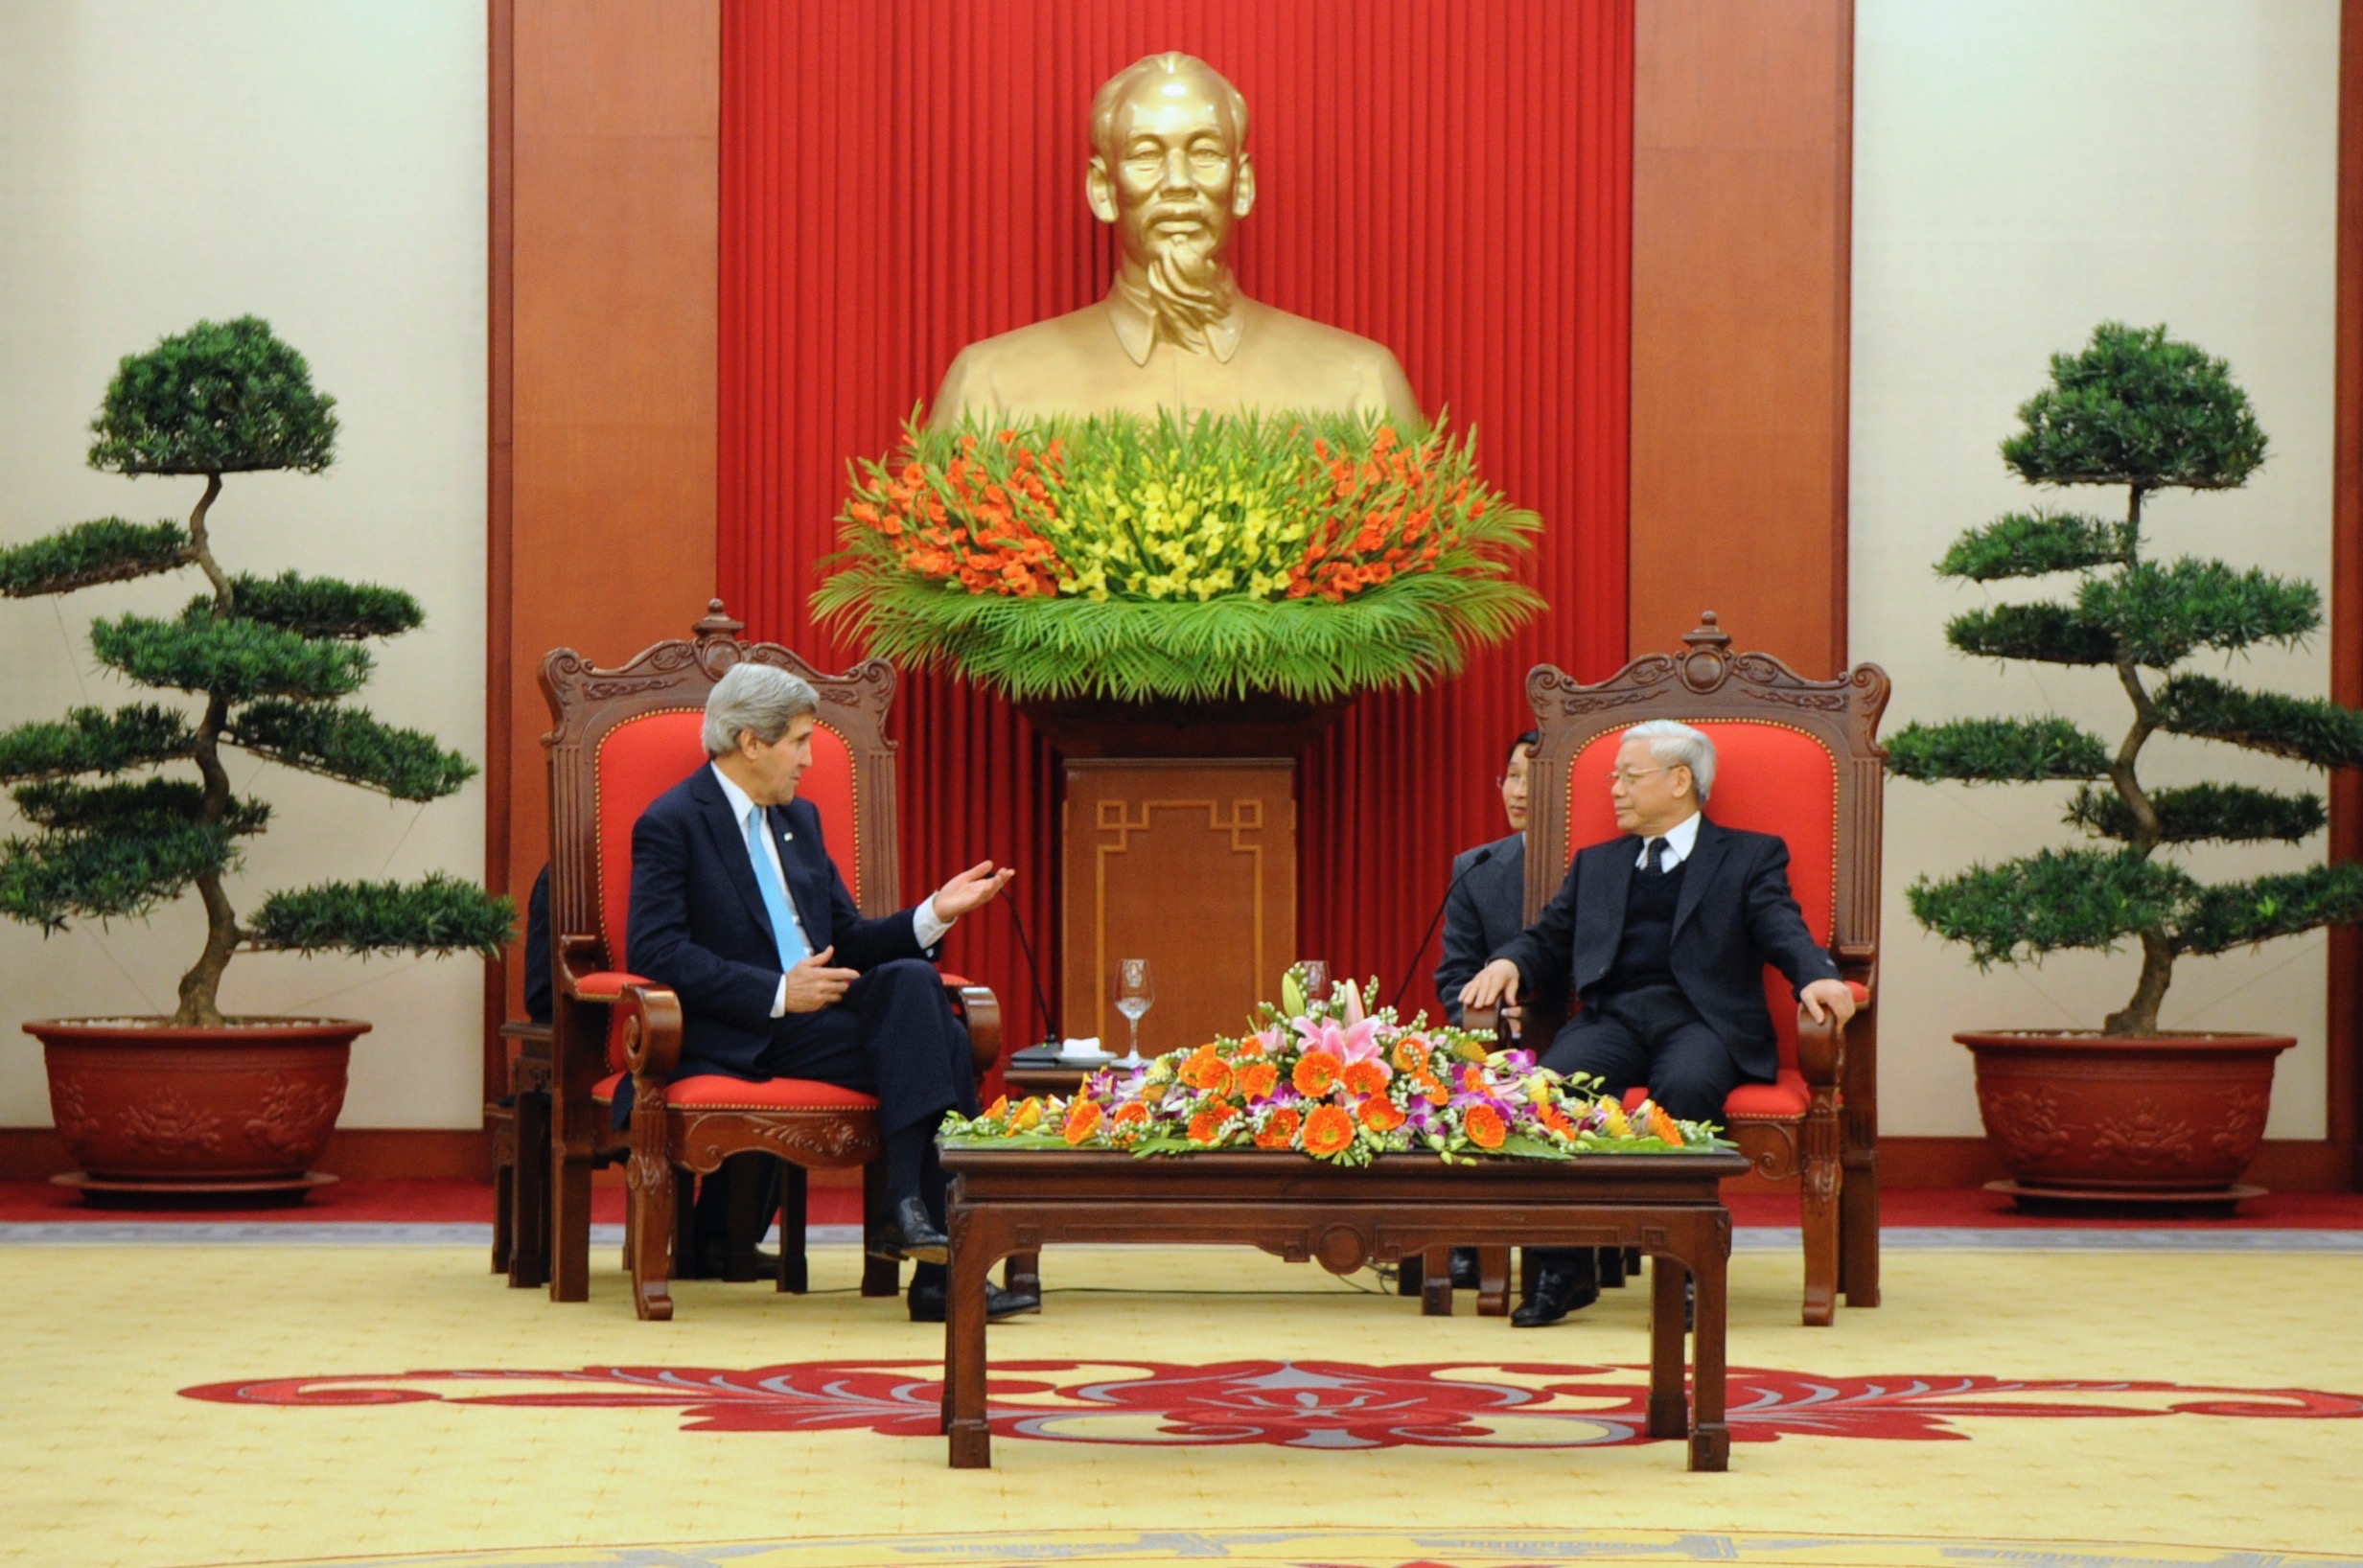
pixel 2138 410
pixel 266 661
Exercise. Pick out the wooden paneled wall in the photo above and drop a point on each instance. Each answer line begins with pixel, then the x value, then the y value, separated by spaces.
pixel 1742 158
pixel 606 174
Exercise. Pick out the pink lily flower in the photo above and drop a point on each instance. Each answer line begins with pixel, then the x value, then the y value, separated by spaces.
pixel 1357 1042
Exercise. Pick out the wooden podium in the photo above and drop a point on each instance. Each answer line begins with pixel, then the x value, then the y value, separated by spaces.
pixel 1177 844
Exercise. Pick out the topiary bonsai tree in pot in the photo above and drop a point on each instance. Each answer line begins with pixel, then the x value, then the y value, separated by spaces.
pixel 2131 1112
pixel 198 1102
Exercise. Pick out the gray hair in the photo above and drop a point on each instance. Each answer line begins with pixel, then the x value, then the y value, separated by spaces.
pixel 1678 745
pixel 1118 88
pixel 758 697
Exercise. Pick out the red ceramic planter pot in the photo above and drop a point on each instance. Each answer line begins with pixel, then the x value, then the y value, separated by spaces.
pixel 154 1111
pixel 2164 1119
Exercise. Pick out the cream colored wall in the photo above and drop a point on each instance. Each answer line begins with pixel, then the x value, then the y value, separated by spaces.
pixel 2024 168
pixel 322 166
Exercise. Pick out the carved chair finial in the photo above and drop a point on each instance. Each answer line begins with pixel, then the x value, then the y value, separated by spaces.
pixel 1709 635
pixel 719 624
pixel 1708 663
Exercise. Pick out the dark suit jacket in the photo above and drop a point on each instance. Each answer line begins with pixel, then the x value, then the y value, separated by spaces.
pixel 698 923
pixel 1484 909
pixel 1735 916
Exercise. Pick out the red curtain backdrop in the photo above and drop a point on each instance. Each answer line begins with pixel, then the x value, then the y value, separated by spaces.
pixel 900 177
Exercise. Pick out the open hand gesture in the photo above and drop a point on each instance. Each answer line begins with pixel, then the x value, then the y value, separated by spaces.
pixel 973 888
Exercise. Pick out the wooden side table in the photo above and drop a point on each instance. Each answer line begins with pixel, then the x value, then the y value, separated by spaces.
pixel 1009 1201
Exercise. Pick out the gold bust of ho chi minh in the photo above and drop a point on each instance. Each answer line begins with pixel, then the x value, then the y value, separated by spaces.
pixel 1170 169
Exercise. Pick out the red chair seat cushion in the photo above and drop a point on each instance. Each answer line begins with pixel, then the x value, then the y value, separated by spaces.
pixel 1783 1100
pixel 719 1092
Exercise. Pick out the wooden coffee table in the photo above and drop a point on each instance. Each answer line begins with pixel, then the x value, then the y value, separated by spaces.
pixel 1010 1201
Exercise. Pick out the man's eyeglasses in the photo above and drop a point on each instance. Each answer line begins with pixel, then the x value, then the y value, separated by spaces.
pixel 1626 776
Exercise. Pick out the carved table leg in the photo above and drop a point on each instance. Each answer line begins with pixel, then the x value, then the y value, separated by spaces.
pixel 1411 1274
pixel 1668 1409
pixel 1493 1281
pixel 1436 1282
pixel 1023 1273
pixel 964 1342
pixel 1710 1439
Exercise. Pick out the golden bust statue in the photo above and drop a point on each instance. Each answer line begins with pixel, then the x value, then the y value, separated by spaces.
pixel 1170 169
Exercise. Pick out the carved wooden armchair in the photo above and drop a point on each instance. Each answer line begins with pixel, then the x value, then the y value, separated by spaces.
pixel 1796 757
pixel 619 738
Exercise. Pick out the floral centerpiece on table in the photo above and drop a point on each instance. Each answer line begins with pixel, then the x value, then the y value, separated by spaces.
pixel 1197 557
pixel 1342 1083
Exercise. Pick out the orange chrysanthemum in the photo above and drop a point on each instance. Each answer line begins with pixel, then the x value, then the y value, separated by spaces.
pixel 1327 1130
pixel 1432 1087
pixel 1663 1123
pixel 1206 1126
pixel 1555 1121
pixel 1315 1074
pixel 1030 1114
pixel 1366 1077
pixel 1410 1052
pixel 1083 1119
pixel 1201 1067
pixel 1280 1132
pixel 1381 1114
pixel 1257 1079
pixel 999 1108
pixel 1484 1126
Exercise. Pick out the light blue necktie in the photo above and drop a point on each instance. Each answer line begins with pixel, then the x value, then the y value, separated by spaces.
pixel 792 948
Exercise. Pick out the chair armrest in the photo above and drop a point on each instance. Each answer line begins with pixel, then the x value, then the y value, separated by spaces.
pixel 577 959
pixel 651 1036
pixel 981 1010
pixel 1821 1047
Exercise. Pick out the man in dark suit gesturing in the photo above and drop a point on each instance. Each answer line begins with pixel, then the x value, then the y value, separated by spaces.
pixel 1662 936
pixel 737 907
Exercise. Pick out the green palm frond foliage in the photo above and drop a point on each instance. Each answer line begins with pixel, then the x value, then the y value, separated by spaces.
pixel 1181 558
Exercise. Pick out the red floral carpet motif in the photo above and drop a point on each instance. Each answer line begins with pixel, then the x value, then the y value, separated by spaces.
pixel 1296 1404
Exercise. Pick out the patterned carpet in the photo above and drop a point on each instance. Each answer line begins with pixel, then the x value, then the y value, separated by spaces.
pixel 2093 1399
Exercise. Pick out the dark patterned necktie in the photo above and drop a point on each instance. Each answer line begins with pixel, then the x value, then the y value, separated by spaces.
pixel 1656 858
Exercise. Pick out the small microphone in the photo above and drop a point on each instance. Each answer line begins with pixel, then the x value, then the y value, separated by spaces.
pixel 1033 973
pixel 1420 952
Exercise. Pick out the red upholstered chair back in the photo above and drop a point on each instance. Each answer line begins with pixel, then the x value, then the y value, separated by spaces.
pixel 1796 757
pixel 647 754
pixel 1769 778
pixel 623 736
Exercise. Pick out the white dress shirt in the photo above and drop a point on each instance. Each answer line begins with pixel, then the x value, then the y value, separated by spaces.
pixel 924 922
pixel 1679 841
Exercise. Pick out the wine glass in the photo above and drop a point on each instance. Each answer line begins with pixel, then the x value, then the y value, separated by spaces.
pixel 1316 981
pixel 1135 994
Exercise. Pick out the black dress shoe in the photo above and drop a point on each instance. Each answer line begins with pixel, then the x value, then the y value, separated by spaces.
pixel 927 1302
pixel 907 1233
pixel 1568 1282
pixel 1464 1268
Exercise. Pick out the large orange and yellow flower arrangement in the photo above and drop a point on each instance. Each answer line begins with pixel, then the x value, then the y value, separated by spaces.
pixel 1185 557
pixel 1340 1082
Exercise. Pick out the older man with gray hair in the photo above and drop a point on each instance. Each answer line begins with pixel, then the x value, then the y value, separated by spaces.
pixel 737 907
pixel 1662 936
